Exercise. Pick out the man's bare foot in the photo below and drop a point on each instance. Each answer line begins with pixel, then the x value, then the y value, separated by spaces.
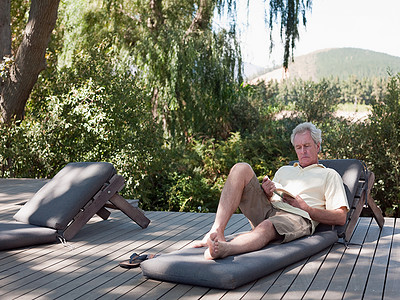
pixel 203 242
pixel 216 249
pixel 199 244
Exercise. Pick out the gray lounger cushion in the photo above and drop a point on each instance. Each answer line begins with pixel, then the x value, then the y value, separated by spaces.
pixel 188 266
pixel 56 203
pixel 15 235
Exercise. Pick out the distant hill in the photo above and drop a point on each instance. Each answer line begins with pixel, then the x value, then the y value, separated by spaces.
pixel 252 71
pixel 339 62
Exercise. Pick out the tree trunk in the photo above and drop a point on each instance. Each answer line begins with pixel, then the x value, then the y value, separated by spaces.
pixel 157 18
pixel 29 60
pixel 202 18
pixel 5 28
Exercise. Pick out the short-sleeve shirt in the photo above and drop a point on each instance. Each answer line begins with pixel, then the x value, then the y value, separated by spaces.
pixel 318 186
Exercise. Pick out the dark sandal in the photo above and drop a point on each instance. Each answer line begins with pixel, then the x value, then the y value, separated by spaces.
pixel 133 262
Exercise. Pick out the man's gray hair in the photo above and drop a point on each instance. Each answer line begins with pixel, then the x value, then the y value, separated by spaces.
pixel 307 126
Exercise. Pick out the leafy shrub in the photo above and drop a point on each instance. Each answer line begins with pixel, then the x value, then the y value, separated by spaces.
pixel 342 138
pixel 17 157
pixel 383 149
pixel 193 178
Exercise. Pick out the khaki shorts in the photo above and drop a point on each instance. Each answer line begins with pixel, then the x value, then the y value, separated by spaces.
pixel 257 208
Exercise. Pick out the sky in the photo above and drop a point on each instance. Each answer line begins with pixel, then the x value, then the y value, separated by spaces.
pixel 367 24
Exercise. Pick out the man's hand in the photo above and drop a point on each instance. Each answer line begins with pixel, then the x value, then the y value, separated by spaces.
pixel 296 202
pixel 268 186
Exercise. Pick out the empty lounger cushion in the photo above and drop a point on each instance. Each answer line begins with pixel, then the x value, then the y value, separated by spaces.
pixel 57 202
pixel 188 265
pixel 15 235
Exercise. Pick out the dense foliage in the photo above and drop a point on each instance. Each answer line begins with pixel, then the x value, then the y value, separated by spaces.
pixel 126 83
pixel 383 135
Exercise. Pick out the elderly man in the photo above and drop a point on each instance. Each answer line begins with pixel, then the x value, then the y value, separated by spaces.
pixel 320 198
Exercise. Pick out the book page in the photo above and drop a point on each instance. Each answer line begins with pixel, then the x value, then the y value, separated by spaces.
pixel 280 191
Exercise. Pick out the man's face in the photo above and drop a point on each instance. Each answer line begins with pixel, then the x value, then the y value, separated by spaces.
pixel 306 149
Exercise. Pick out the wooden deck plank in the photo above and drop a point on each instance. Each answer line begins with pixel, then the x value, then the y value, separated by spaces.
pixel 42 260
pixel 176 292
pixel 188 232
pixel 187 235
pixel 76 255
pixel 238 293
pixel 359 277
pixel 132 283
pixel 195 292
pixel 262 286
pixel 197 232
pixel 331 264
pixel 283 282
pixel 38 254
pixel 214 294
pixel 306 275
pixel 392 285
pixel 319 284
pixel 16 190
pixel 140 289
pixel 72 262
pixel 159 291
pixel 342 275
pixel 376 279
pixel 105 265
pixel 88 268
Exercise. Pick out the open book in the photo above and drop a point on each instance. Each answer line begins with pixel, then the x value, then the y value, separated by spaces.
pixel 281 192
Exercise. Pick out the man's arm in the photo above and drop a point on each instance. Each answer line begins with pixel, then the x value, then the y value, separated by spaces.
pixel 330 217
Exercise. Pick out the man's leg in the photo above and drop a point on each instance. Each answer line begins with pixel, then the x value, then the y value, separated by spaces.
pixel 239 176
pixel 279 225
pixel 254 240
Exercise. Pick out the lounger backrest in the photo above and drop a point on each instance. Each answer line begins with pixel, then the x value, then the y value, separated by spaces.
pixel 353 175
pixel 351 171
pixel 57 202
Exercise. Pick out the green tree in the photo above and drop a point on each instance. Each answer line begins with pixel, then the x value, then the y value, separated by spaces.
pixel 21 71
pixel 315 102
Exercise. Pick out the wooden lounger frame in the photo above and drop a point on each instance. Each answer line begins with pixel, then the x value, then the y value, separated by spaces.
pixel 363 201
pixel 97 205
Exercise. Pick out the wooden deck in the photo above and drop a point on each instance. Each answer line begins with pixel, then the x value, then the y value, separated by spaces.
pixel 87 267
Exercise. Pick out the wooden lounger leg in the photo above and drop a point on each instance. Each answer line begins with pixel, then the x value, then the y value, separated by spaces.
pixel 132 212
pixel 103 213
pixel 371 203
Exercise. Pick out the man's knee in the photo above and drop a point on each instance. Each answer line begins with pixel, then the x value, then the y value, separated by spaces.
pixel 243 169
pixel 267 229
pixel 266 226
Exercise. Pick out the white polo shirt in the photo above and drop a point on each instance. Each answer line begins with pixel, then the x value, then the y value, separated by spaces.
pixel 318 186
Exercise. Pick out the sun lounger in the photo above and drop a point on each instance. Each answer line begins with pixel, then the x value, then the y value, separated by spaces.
pixel 189 267
pixel 66 203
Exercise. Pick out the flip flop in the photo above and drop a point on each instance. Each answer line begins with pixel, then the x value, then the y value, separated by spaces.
pixel 134 261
